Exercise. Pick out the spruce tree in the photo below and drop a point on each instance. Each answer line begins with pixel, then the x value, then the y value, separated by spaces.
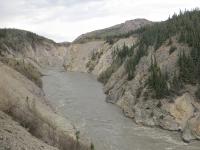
pixel 157 81
pixel 187 70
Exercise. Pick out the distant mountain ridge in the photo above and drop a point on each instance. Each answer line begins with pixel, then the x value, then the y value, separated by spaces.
pixel 116 30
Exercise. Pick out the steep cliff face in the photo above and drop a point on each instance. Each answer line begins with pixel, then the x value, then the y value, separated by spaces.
pixel 23 44
pixel 150 72
pixel 77 55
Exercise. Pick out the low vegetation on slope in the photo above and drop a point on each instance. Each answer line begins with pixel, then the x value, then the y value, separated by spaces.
pixel 15 137
pixel 25 68
pixel 119 56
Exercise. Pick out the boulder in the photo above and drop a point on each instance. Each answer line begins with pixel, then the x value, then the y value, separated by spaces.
pixel 125 104
pixel 192 130
pixel 182 109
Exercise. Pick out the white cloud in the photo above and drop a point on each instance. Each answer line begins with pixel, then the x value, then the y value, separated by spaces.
pixel 64 20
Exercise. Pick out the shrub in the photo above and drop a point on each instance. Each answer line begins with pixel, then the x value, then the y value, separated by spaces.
pixel 110 40
pixel 138 92
pixel 92 146
pixel 172 49
pixel 197 93
pixel 105 76
pixel 176 84
pixel 130 67
pixel 170 42
pixel 77 135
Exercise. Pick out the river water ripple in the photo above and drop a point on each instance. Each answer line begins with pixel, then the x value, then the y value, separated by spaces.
pixel 80 98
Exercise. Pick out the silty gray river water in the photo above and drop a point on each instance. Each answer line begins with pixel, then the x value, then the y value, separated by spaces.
pixel 80 98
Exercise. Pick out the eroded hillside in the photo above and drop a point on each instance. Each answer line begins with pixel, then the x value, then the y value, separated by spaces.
pixel 26 103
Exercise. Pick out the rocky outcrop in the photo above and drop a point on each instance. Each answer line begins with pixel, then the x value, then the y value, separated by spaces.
pixel 192 130
pixel 182 110
pixel 25 102
pixel 93 56
pixel 78 55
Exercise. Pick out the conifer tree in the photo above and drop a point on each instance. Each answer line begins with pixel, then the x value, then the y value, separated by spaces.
pixel 187 71
pixel 157 81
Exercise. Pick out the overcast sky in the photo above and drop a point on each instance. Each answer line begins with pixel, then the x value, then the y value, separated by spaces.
pixel 64 20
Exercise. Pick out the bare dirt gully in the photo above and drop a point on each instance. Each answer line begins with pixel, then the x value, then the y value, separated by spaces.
pixel 80 98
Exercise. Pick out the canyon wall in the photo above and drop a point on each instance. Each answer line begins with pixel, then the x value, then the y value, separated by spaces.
pixel 179 111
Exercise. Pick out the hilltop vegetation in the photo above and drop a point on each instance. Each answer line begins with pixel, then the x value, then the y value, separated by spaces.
pixel 17 40
pixel 184 27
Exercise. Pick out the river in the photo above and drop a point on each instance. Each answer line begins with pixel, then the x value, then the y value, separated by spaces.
pixel 80 98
